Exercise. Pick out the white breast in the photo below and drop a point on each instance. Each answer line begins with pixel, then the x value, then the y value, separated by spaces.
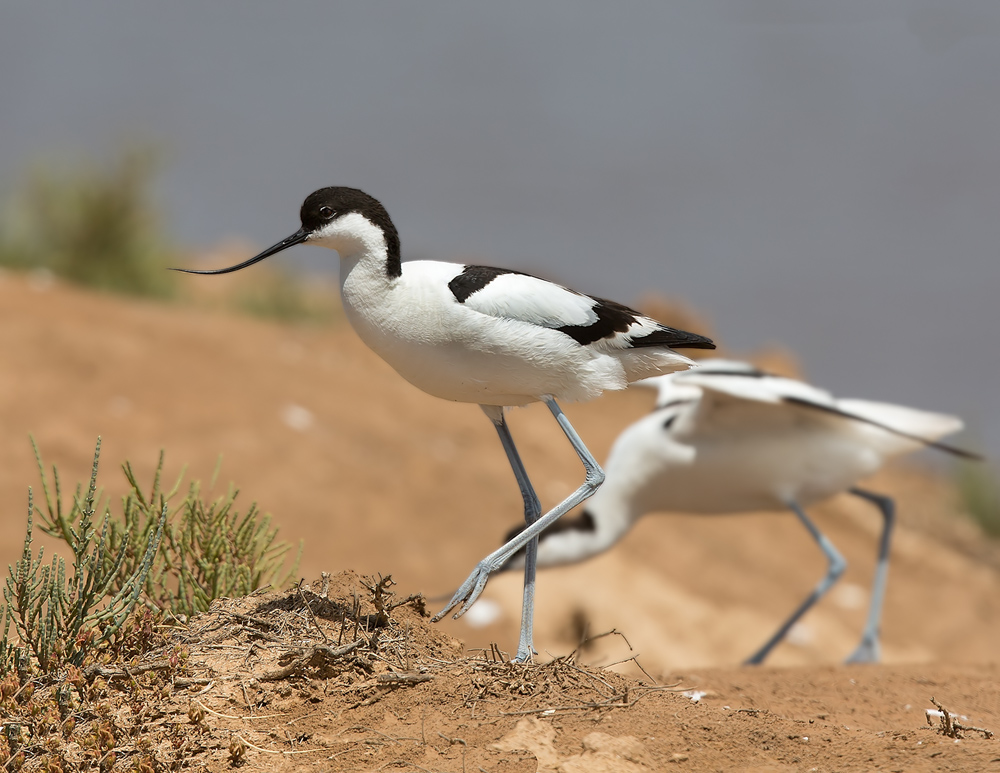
pixel 460 352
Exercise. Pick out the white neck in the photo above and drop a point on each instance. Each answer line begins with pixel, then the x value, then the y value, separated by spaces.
pixel 354 236
pixel 364 279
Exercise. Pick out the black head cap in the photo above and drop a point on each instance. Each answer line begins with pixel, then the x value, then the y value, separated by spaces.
pixel 319 208
pixel 326 204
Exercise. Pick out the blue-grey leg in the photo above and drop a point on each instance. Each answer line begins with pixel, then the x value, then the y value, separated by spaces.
pixel 469 591
pixel 835 567
pixel 869 649
pixel 532 511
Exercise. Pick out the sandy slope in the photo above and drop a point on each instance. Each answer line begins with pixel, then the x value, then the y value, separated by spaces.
pixel 377 477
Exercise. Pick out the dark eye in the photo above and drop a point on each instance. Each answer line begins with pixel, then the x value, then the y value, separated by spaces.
pixel 327 213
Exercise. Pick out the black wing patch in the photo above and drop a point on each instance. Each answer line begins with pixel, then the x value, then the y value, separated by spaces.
pixel 675 339
pixel 748 373
pixel 475 278
pixel 960 452
pixel 611 317
pixel 615 318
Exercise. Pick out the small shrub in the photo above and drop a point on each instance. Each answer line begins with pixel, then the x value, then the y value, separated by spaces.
pixel 208 550
pixel 66 668
pixel 93 226
pixel 62 620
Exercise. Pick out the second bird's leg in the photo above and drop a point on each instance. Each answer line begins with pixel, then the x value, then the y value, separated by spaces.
pixel 532 511
pixel 868 650
pixel 469 591
pixel 835 567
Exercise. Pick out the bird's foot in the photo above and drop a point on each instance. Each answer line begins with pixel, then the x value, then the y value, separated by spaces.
pixel 755 660
pixel 868 651
pixel 468 592
pixel 761 655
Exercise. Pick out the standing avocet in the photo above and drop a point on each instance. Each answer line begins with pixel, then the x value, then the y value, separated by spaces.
pixel 484 335
pixel 729 438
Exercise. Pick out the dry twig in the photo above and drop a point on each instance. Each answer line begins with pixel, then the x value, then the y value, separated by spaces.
pixel 949 724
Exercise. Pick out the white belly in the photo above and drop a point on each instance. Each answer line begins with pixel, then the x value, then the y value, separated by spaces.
pixel 768 473
pixel 742 473
pixel 453 352
pixel 487 360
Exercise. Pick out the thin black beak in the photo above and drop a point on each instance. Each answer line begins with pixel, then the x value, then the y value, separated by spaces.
pixel 296 238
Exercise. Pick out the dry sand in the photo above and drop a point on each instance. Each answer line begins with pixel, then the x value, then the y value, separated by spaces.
pixel 377 477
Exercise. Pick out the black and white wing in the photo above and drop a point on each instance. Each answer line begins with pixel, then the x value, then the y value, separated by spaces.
pixel 737 393
pixel 587 320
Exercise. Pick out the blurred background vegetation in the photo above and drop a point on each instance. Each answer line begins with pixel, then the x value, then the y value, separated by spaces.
pixel 979 494
pixel 95 225
pixel 98 225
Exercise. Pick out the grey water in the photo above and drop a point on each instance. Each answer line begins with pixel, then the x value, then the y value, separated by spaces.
pixel 823 176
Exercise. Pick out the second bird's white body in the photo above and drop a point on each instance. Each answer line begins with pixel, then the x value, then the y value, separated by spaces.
pixel 729 440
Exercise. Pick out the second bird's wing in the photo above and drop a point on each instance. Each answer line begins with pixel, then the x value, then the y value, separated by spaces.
pixel 733 392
